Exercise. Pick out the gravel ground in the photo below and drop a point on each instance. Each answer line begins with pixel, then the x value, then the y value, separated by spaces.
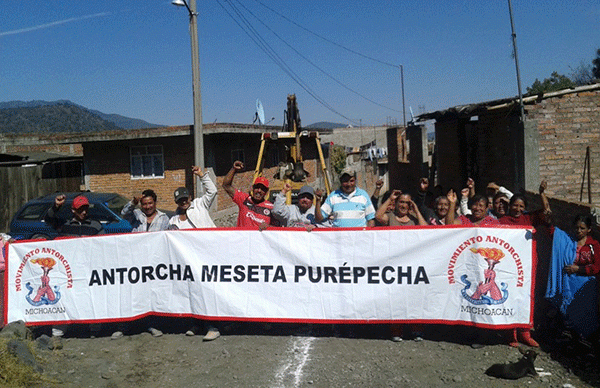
pixel 289 355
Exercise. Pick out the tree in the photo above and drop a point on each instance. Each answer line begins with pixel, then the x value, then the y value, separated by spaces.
pixel 596 63
pixel 338 158
pixel 582 74
pixel 554 83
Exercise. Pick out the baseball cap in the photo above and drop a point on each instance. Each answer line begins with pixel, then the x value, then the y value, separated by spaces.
pixel 181 192
pixel 349 171
pixel 261 181
pixel 306 190
pixel 80 201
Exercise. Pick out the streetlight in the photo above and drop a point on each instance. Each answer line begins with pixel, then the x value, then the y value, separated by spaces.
pixel 198 130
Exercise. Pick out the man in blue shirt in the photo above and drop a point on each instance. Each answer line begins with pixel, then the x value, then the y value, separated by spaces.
pixel 347 207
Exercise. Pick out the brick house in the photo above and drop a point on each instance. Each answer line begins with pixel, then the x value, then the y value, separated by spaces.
pixel 486 141
pixel 130 161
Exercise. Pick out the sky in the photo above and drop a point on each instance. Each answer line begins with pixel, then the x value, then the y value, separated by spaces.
pixel 133 58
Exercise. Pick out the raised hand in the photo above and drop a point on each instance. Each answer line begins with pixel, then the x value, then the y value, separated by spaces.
pixel 197 171
pixel 423 184
pixel 493 186
pixel 59 200
pixel 319 194
pixel 470 183
pixel 543 186
pixel 451 196
pixel 238 166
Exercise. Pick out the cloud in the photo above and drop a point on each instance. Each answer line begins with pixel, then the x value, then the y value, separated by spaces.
pixel 48 25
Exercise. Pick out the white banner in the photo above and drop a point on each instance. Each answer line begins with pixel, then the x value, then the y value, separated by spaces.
pixel 451 275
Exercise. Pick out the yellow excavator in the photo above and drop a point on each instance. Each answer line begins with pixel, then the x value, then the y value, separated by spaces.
pixel 289 145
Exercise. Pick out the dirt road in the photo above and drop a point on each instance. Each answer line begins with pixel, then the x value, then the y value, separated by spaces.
pixel 253 355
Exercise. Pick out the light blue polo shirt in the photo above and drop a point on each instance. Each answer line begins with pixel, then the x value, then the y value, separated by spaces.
pixel 348 210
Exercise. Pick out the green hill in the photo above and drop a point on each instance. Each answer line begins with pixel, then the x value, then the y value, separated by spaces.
pixel 60 116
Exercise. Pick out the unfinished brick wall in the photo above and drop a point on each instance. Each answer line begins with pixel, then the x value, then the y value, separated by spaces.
pixel 566 126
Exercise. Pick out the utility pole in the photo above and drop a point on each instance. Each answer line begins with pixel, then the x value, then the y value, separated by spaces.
pixel 403 107
pixel 514 40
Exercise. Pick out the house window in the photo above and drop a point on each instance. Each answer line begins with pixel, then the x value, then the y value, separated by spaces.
pixel 237 155
pixel 147 162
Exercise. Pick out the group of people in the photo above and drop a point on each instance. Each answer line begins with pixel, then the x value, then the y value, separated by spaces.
pixel 348 206
pixel 190 214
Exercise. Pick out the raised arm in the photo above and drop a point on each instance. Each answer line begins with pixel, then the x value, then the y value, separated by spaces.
pixel 51 216
pixel 496 188
pixel 421 197
pixel 211 190
pixel 545 202
pixel 416 213
pixel 128 210
pixel 280 209
pixel 452 211
pixel 130 206
pixel 377 192
pixel 381 215
pixel 228 179
pixel 464 201
pixel 318 202
pixel 546 211
pixel 471 186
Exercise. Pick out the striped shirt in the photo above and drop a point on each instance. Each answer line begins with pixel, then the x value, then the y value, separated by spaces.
pixel 348 210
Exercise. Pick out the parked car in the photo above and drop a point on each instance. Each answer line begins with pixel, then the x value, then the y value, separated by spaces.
pixel 28 222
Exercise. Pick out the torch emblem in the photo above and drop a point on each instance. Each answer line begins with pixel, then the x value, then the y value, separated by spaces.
pixel 487 291
pixel 45 293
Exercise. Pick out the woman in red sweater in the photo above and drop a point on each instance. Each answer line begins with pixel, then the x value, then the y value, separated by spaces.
pixel 518 216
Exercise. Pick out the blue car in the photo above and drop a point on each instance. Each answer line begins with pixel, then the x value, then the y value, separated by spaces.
pixel 28 223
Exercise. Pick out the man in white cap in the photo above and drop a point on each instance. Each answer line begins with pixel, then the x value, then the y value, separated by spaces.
pixel 194 214
pixel 348 206
pixel 300 215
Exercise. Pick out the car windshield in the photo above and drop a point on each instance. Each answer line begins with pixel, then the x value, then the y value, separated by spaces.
pixel 116 203
pixel 34 212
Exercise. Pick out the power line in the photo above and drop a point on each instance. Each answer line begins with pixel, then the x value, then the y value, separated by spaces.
pixel 272 54
pixel 314 65
pixel 326 39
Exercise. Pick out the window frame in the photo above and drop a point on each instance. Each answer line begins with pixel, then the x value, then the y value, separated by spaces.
pixel 155 157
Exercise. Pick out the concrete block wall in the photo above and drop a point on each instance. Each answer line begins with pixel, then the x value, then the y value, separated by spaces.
pixel 566 126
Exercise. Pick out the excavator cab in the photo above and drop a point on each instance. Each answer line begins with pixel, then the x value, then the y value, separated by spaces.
pixel 290 145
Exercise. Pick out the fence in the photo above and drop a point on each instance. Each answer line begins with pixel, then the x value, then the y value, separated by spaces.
pixel 21 184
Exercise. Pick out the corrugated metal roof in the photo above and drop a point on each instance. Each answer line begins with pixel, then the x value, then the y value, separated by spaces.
pixel 21 158
pixel 470 110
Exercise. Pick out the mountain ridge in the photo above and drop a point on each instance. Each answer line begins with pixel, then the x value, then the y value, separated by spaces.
pixel 61 116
